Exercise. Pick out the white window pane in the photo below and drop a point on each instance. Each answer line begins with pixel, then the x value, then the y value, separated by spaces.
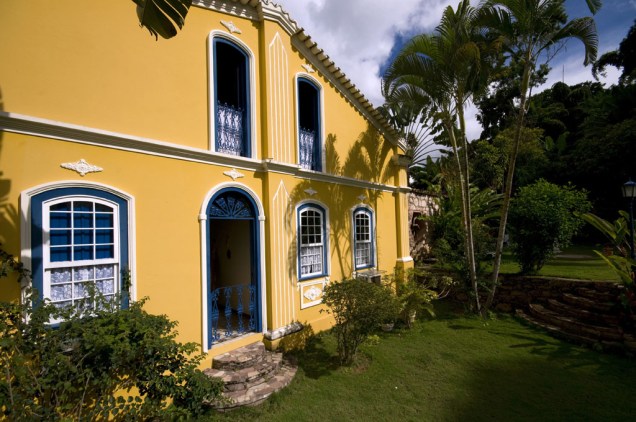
pixel 83 273
pixel 106 287
pixel 60 275
pixel 61 292
pixel 104 271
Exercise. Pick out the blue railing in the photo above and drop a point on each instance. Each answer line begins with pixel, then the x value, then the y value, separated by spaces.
pixel 233 311
pixel 308 149
pixel 229 129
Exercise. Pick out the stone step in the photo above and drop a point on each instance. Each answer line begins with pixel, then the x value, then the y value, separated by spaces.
pixel 250 375
pixel 573 326
pixel 609 295
pixel 244 357
pixel 257 394
pixel 244 378
pixel 583 314
pixel 589 304
pixel 614 346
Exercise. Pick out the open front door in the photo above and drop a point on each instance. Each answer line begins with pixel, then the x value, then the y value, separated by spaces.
pixel 233 276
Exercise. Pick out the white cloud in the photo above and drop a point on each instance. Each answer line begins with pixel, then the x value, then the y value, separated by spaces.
pixel 358 35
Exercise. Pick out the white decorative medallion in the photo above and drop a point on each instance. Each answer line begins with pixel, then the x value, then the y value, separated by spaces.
pixel 310 192
pixel 231 27
pixel 233 174
pixel 361 198
pixel 312 293
pixel 308 68
pixel 82 167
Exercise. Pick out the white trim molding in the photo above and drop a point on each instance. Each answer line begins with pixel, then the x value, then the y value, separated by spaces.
pixel 311 292
pixel 82 167
pixel 51 129
pixel 231 27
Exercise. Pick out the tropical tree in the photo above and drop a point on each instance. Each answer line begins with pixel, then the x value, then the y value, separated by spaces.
pixel 162 17
pixel 624 57
pixel 442 72
pixel 533 31
pixel 413 122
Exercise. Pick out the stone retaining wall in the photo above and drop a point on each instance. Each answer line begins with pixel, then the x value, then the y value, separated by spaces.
pixel 516 292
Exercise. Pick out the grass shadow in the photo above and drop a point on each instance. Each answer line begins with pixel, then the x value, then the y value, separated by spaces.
pixel 317 358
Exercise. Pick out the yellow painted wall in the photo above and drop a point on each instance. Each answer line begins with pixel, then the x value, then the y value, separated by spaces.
pixel 94 66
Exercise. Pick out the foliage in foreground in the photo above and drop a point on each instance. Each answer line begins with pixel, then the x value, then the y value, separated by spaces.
pixel 619 257
pixel 358 308
pixel 542 219
pixel 80 369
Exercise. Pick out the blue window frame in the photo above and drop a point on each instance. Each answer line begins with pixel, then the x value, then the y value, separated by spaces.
pixel 363 239
pixel 231 98
pixel 312 242
pixel 79 237
pixel 309 136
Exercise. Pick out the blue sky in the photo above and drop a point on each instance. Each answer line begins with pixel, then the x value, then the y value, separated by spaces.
pixel 361 36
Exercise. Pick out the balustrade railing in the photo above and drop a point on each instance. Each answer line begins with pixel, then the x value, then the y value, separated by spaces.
pixel 307 149
pixel 233 311
pixel 229 129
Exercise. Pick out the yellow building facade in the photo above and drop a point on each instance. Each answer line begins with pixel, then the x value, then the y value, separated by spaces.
pixel 228 174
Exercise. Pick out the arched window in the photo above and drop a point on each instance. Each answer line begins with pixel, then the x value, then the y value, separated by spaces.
pixel 312 242
pixel 231 72
pixel 363 239
pixel 79 240
pixel 309 136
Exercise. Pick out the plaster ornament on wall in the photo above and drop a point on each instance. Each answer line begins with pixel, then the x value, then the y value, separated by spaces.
pixel 308 68
pixel 311 192
pixel 234 174
pixel 82 167
pixel 313 293
pixel 361 198
pixel 231 27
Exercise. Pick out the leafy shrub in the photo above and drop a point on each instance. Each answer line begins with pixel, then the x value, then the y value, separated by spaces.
pixel 542 219
pixel 80 369
pixel 415 291
pixel 358 308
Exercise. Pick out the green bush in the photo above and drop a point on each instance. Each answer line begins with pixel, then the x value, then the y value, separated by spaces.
pixel 80 369
pixel 358 308
pixel 542 219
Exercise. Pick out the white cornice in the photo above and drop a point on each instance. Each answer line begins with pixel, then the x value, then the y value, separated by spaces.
pixel 28 125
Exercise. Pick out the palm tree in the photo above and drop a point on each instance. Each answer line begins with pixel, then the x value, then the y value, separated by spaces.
pixel 162 17
pixel 440 73
pixel 532 31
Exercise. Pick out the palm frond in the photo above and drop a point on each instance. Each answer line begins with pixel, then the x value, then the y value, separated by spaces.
pixel 162 17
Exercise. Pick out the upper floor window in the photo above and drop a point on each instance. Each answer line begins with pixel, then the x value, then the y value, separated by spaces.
pixel 79 241
pixel 309 136
pixel 231 71
pixel 312 242
pixel 363 237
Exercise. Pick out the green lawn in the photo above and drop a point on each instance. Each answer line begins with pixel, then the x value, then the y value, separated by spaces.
pixel 456 368
pixel 574 262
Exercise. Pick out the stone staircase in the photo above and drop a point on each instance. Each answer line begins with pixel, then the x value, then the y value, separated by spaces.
pixel 250 375
pixel 585 316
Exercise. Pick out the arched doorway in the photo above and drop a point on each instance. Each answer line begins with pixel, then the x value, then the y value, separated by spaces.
pixel 233 285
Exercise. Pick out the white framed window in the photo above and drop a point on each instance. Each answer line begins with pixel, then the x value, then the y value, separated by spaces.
pixel 232 96
pixel 312 242
pixel 80 249
pixel 309 109
pixel 79 241
pixel 363 238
